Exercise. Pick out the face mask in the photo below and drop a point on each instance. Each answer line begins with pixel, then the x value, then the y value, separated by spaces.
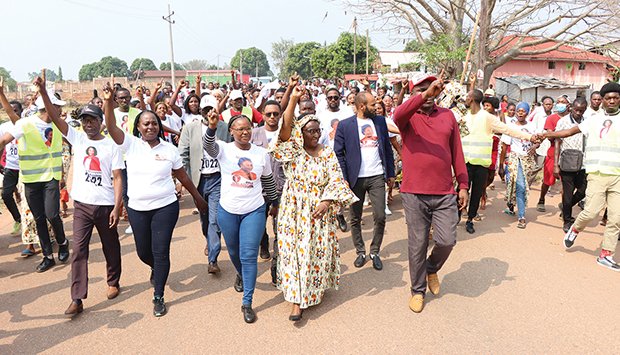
pixel 561 108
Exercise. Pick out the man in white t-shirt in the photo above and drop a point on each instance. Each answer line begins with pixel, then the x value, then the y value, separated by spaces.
pixel 595 105
pixel 96 192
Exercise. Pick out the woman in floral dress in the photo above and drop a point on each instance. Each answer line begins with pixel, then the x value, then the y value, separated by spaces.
pixel 309 257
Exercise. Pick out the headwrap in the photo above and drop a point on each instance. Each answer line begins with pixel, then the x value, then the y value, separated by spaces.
pixel 523 105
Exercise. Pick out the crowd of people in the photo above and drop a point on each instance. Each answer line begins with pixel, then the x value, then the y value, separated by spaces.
pixel 300 153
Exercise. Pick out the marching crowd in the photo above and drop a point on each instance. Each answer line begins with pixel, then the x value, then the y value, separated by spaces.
pixel 299 154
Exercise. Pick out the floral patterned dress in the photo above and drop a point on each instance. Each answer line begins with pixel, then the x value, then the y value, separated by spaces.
pixel 309 256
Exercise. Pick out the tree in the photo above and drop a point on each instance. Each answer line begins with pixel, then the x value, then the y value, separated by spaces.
pixel 107 66
pixel 412 46
pixel 166 66
pixel 50 75
pixel 279 53
pixel 60 74
pixel 336 59
pixel 254 60
pixel 142 63
pixel 8 80
pixel 299 59
pixel 533 27
pixel 196 64
pixel 440 52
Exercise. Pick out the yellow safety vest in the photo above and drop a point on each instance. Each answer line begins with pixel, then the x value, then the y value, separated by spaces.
pixel 603 149
pixel 478 144
pixel 37 161
pixel 246 111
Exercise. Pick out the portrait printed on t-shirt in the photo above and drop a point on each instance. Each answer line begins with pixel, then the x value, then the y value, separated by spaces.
pixel 49 133
pixel 605 129
pixel 369 138
pixel 124 122
pixel 244 177
pixel 92 166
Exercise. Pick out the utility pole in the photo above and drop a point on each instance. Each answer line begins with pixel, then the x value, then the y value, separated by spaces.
pixel 241 66
pixel 367 45
pixel 170 22
pixel 354 45
pixel 257 68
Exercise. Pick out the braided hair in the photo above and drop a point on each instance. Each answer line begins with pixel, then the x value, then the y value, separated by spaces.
pixel 136 132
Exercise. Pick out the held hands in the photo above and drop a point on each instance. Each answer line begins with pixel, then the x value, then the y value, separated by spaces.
pixel 321 209
pixel 201 205
pixel 273 211
pixel 537 138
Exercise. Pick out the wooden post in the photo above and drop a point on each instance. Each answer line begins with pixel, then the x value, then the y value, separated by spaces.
pixel 471 44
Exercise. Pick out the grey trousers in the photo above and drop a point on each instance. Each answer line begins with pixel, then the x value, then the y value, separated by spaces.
pixel 375 186
pixel 422 211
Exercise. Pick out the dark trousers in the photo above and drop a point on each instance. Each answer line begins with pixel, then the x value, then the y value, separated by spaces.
pixel 422 211
pixel 152 232
pixel 9 185
pixel 86 217
pixel 573 190
pixel 478 175
pixel 375 186
pixel 44 202
pixel 124 187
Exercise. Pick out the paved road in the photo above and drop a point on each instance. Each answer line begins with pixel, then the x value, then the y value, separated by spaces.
pixel 504 290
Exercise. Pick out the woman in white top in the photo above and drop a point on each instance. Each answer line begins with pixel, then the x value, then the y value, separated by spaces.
pixel 153 206
pixel 245 170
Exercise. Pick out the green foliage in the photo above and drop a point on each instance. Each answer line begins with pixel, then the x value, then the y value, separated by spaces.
pixel 142 63
pixel 336 59
pixel 166 66
pixel 60 74
pixel 9 82
pixel 106 67
pixel 50 75
pixel 412 46
pixel 279 54
pixel 252 58
pixel 196 64
pixel 299 59
pixel 441 52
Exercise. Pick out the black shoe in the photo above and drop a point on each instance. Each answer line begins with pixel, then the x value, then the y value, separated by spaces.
pixel 46 264
pixel 296 317
pixel 152 278
pixel 342 222
pixel 567 226
pixel 274 273
pixel 63 252
pixel 248 314
pixel 264 253
pixel 238 284
pixel 360 260
pixel 159 307
pixel 376 262
pixel 469 227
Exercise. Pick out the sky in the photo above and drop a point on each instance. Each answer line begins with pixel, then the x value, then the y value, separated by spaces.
pixel 70 33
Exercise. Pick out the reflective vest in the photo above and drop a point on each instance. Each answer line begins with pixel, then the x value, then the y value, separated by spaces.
pixel 246 111
pixel 37 161
pixel 603 147
pixel 478 144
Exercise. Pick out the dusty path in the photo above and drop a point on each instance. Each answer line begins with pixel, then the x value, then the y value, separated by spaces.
pixel 504 290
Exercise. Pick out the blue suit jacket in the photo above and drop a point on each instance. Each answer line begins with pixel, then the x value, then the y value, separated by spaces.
pixel 347 148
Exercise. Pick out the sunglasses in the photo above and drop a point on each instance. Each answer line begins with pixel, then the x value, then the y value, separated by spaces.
pixel 333 98
pixel 272 114
pixel 313 131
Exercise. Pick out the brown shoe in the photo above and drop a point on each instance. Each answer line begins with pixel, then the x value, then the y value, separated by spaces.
pixel 113 292
pixel 206 251
pixel 416 303
pixel 74 309
pixel 213 268
pixel 433 283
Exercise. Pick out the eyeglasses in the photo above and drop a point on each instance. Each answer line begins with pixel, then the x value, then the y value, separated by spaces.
pixel 335 98
pixel 272 114
pixel 313 131
pixel 245 129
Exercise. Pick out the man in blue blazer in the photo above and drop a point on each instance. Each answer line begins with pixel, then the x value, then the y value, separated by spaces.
pixel 363 149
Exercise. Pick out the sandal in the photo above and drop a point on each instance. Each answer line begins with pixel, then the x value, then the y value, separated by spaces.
pixel 521 223
pixel 27 253
pixel 509 212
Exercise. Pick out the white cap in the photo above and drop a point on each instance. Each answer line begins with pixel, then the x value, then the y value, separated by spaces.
pixel 208 101
pixel 39 101
pixel 489 92
pixel 236 94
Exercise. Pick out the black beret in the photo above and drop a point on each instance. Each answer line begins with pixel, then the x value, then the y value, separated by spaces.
pixel 610 87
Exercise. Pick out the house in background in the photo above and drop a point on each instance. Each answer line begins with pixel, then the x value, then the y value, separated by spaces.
pixel 568 64
pixel 531 89
pixel 391 61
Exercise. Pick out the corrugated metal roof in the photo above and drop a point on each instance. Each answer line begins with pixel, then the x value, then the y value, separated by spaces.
pixel 564 52
pixel 526 82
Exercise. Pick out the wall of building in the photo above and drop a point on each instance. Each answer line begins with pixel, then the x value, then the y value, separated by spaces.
pixel 594 74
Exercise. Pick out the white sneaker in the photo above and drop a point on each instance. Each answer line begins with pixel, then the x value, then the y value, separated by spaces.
pixel 129 230
pixel 608 262
pixel 387 211
pixel 569 237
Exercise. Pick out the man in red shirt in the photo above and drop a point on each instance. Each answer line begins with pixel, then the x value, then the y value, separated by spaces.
pixel 431 151
pixel 562 108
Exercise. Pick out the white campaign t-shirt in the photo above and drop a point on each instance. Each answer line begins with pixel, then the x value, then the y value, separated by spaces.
pixel 327 117
pixel 171 123
pixel 44 128
pixel 93 162
pixel 519 146
pixel 149 173
pixel 12 155
pixel 242 190
pixel 209 165
pixel 189 117
pixel 271 135
pixel 369 146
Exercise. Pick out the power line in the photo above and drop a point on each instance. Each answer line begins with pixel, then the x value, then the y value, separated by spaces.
pixel 170 23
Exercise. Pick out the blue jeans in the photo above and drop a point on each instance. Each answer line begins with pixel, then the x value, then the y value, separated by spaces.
pixel 521 190
pixel 242 233
pixel 209 188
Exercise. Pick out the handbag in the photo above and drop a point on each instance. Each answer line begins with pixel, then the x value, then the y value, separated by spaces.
pixel 571 160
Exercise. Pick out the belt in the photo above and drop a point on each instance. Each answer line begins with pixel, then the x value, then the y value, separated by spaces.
pixel 210 175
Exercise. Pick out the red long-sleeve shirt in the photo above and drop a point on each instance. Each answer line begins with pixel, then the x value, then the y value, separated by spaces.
pixel 431 149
